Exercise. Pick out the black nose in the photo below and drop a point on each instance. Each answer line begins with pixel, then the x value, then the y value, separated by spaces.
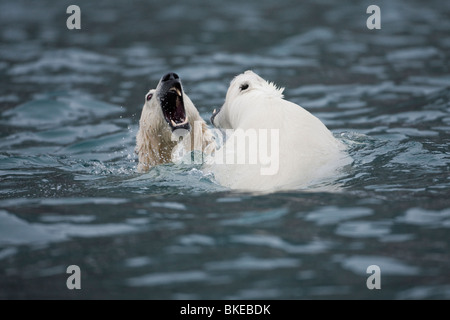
pixel 170 76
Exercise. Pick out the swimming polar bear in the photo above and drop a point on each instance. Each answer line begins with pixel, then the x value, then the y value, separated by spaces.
pixel 300 151
pixel 167 115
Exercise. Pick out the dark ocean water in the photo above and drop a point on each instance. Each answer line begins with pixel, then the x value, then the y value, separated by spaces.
pixel 70 102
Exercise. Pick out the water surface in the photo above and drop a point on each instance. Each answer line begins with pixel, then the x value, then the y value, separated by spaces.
pixel 70 101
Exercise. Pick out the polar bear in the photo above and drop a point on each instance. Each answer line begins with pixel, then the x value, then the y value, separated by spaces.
pixel 167 115
pixel 283 145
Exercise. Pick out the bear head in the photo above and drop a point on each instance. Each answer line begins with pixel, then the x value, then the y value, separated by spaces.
pixel 245 87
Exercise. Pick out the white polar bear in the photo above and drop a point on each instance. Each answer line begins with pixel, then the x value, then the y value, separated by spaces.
pixel 167 115
pixel 302 150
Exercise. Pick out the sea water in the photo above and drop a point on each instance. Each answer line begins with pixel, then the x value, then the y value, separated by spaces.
pixel 70 101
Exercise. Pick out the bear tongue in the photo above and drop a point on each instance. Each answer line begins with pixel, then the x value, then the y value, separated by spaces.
pixel 177 116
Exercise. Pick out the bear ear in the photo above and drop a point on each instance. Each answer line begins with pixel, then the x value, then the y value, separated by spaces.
pixel 277 91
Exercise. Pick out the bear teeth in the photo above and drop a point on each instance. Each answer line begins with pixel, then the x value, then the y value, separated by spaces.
pixel 174 124
pixel 178 91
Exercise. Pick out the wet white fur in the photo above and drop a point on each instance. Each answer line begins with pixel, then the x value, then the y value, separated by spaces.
pixel 154 143
pixel 308 151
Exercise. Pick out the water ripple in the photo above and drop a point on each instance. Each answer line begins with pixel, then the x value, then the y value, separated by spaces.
pixel 70 103
pixel 275 242
pixel 167 278
pixel 251 263
pixel 388 266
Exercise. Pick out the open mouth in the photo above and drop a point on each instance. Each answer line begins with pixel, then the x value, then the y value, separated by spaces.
pixel 172 105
